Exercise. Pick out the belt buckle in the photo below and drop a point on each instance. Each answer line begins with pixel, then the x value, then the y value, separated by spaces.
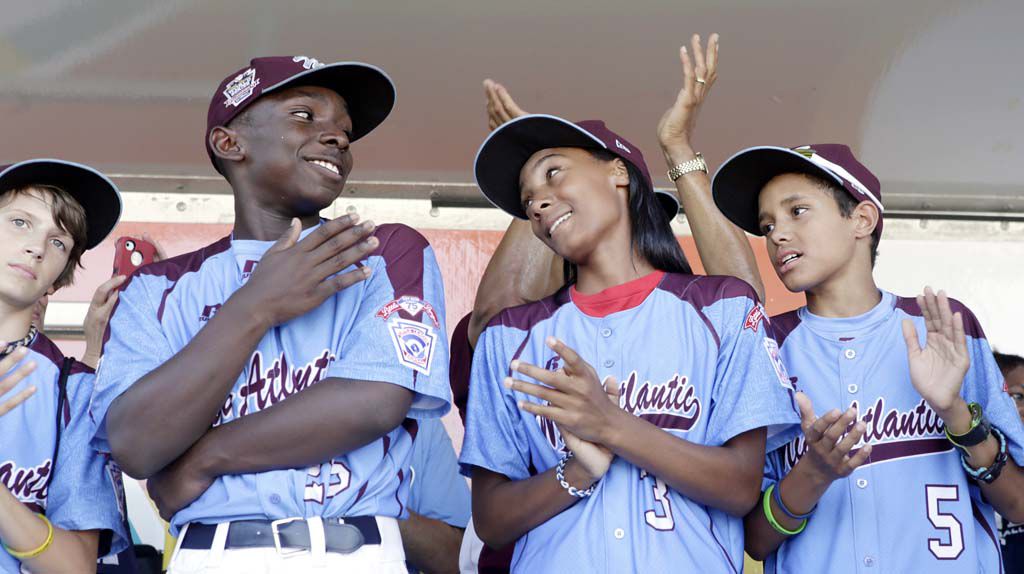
pixel 274 529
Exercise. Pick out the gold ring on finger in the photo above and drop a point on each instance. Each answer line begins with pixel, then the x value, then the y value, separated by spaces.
pixel 701 81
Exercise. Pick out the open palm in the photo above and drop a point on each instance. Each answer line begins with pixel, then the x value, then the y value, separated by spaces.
pixel 937 369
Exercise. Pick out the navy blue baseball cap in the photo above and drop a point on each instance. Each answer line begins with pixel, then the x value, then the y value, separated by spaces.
pixel 738 182
pixel 98 196
pixel 506 150
pixel 369 92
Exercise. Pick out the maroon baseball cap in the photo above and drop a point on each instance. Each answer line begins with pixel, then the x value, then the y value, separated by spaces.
pixel 94 191
pixel 368 91
pixel 505 151
pixel 739 181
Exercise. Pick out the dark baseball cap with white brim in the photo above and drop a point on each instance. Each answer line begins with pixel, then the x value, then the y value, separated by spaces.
pixel 739 181
pixel 98 196
pixel 506 150
pixel 368 91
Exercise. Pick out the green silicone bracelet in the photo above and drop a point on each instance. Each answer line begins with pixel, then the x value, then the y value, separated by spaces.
pixel 766 504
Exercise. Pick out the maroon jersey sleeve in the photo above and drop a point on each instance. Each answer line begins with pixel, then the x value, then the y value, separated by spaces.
pixel 460 362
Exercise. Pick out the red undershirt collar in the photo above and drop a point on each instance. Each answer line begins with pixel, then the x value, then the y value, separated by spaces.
pixel 618 298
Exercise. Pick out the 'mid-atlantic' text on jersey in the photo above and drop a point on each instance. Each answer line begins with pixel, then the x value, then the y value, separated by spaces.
pixel 910 507
pixel 82 495
pixel 388 328
pixel 692 356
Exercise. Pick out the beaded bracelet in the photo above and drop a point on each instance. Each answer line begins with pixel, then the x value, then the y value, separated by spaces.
pixel 42 547
pixel 766 504
pixel 560 475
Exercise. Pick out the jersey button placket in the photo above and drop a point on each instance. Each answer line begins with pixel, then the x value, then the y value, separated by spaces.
pixel 851 376
pixel 607 349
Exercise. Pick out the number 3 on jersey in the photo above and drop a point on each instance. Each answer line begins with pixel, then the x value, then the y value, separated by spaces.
pixel 659 518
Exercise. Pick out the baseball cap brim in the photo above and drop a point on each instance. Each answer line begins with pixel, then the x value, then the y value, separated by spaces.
pixel 367 89
pixel 97 195
pixel 739 181
pixel 506 150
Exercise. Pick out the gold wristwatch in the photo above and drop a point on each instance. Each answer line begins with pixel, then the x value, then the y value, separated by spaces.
pixel 695 164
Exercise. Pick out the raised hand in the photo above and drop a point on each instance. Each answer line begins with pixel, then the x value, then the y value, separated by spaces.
pixel 500 105
pixel 700 70
pixel 11 379
pixel 937 369
pixel 296 276
pixel 95 326
pixel 828 455
pixel 583 407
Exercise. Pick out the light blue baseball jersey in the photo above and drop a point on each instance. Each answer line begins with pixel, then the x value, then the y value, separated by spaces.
pixel 389 328
pixel 693 358
pixel 82 495
pixel 910 507
pixel 436 489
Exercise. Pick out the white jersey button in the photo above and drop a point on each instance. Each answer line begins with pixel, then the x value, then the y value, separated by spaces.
pixel 608 363
pixel 862 483
pixel 606 332
pixel 869 561
pixel 850 354
pixel 620 534
pixel 852 388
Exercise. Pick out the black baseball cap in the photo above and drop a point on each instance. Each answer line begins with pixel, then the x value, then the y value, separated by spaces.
pixel 368 91
pixel 506 150
pixel 97 195
pixel 738 182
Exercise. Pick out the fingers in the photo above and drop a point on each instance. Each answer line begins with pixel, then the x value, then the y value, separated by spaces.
pixel 612 389
pixel 544 393
pixel 959 336
pixel 551 413
pixel 835 431
pixel 945 314
pixel 700 64
pixel 689 76
pixel 816 431
pixel 574 364
pixel 910 336
pixel 160 254
pixel 549 378
pixel 103 292
pixel 859 457
pixel 9 362
pixel 712 59
pixel 16 400
pixel 509 109
pixel 932 318
pixel 329 230
pixel 851 439
pixel 806 410
pixel 342 281
pixel 344 250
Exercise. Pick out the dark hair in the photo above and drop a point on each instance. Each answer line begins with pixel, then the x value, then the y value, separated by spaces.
pixel 846 203
pixel 1008 362
pixel 651 235
pixel 69 215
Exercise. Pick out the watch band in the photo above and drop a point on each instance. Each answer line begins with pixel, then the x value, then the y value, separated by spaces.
pixel 980 429
pixel 988 474
pixel 695 164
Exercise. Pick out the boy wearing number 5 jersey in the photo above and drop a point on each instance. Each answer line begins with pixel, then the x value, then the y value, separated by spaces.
pixel 909 439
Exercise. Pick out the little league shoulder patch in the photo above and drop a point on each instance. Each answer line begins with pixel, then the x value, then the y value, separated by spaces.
pixel 772 348
pixel 413 306
pixel 414 343
pixel 755 317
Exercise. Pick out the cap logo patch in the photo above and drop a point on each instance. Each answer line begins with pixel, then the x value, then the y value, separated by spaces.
pixel 239 89
pixel 619 145
pixel 308 63
pixel 805 151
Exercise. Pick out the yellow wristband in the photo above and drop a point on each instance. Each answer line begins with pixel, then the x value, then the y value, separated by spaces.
pixel 42 547
pixel 766 504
